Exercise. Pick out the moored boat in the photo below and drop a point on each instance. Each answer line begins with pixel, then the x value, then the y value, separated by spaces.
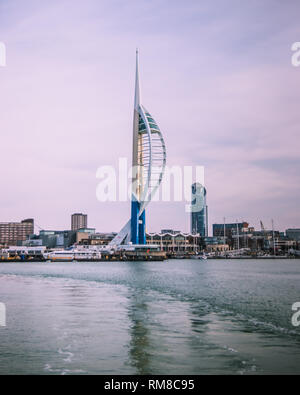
pixel 199 256
pixel 61 256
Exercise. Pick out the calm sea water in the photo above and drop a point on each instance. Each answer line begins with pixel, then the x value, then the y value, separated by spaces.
pixel 174 317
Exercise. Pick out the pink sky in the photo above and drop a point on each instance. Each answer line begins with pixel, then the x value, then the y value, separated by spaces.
pixel 216 76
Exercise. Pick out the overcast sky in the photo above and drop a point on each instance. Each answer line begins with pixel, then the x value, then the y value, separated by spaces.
pixel 216 75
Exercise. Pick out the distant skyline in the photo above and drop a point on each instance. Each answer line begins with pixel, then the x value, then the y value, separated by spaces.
pixel 217 76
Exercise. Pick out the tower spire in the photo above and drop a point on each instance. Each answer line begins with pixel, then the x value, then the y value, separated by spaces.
pixel 137 83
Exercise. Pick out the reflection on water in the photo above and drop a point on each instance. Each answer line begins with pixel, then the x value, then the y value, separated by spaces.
pixel 139 343
pixel 150 318
pixel 138 314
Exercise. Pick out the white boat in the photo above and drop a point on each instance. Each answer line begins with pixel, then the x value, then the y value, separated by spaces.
pixel 199 256
pixel 61 256
pixel 84 254
pixel 87 255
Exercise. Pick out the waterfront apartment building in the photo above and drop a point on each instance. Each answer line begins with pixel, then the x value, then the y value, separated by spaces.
pixel 215 244
pixel 52 239
pixel 228 230
pixel 78 221
pixel 83 235
pixel 14 233
pixel 176 242
pixel 199 211
pixel 293 234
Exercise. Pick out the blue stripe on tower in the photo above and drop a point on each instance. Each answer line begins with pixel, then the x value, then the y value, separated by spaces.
pixel 135 208
pixel 142 228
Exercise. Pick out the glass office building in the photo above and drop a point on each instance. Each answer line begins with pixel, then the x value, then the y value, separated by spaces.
pixel 199 211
